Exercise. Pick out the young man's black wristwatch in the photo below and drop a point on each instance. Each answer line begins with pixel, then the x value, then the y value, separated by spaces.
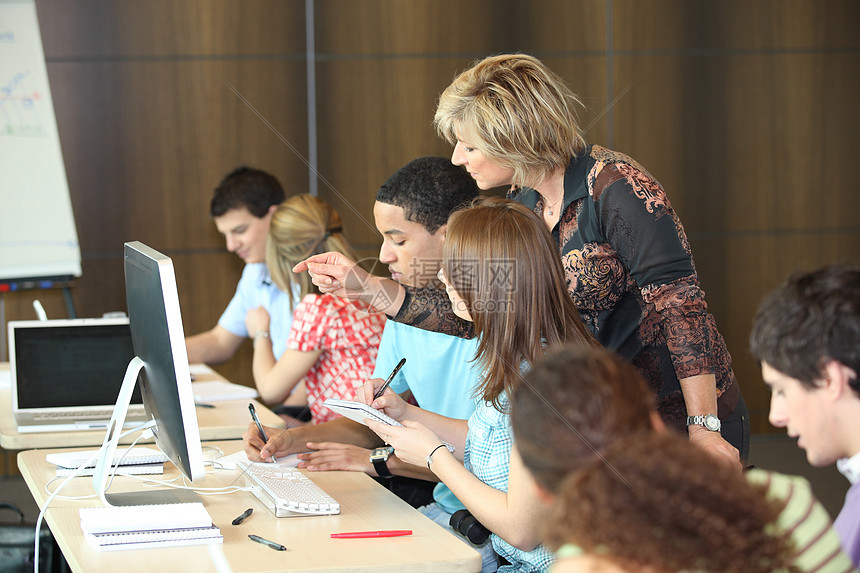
pixel 379 459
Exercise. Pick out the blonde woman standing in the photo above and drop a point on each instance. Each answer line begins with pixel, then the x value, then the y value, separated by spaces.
pixel 626 257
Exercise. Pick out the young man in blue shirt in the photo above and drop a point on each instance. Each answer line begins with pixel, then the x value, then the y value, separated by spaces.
pixel 242 207
pixel 411 213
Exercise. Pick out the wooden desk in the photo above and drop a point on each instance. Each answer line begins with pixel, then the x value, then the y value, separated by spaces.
pixel 226 421
pixel 365 505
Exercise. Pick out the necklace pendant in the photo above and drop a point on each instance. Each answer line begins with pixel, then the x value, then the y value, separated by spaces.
pixel 550 211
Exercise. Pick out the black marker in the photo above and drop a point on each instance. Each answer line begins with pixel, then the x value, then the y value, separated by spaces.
pixel 244 516
pixel 267 543
pixel 259 425
pixel 390 378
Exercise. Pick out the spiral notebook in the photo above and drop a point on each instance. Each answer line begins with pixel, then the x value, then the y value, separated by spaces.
pixel 155 538
pixel 141 526
pixel 144 517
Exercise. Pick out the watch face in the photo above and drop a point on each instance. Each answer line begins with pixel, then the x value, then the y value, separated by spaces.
pixel 381 453
pixel 712 423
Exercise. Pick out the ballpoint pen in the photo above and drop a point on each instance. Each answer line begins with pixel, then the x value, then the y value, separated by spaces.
pixel 267 543
pixel 244 516
pixel 390 378
pixel 368 534
pixel 259 426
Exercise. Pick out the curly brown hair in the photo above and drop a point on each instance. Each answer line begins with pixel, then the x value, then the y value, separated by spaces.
pixel 656 501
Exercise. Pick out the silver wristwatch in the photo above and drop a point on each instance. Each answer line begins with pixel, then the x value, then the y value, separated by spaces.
pixel 708 421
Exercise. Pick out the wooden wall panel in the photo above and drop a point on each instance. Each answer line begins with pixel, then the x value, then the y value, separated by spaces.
pixel 373 117
pixel 753 265
pixel 744 111
pixel 586 75
pixel 145 143
pixel 721 25
pixel 368 28
pixel 756 144
pixel 170 28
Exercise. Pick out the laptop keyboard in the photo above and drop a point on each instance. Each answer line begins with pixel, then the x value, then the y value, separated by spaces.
pixel 62 416
pixel 73 415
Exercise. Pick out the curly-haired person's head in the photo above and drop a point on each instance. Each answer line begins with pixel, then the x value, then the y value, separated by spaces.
pixel 655 502
pixel 428 189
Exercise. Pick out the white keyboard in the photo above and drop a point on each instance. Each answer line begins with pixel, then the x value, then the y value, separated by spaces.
pixel 286 491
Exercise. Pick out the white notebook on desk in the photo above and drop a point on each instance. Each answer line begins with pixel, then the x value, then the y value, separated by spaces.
pixel 137 455
pixel 142 526
pixel 135 518
pixel 133 470
pixel 218 390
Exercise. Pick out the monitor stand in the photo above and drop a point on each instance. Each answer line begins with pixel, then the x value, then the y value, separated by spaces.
pixel 102 472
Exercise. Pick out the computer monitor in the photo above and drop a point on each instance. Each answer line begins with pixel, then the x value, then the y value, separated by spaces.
pixel 161 368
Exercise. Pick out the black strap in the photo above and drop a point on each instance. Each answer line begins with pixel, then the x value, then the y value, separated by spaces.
pixel 381 468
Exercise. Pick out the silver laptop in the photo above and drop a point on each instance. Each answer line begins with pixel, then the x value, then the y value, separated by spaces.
pixel 66 374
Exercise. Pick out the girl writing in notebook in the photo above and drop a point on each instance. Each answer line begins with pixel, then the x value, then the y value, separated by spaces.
pixel 502 272
pixel 333 341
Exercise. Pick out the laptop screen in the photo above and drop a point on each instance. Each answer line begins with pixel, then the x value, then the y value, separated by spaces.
pixel 71 365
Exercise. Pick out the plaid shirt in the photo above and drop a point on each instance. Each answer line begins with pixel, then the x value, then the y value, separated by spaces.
pixel 488 456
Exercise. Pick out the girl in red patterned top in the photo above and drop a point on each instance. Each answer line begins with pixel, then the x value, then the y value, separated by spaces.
pixel 333 341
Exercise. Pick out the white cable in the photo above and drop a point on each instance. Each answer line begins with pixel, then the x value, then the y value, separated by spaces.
pixel 114 470
pixel 78 471
pixel 149 482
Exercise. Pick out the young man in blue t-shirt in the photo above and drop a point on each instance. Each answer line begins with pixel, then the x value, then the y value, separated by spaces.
pixel 411 213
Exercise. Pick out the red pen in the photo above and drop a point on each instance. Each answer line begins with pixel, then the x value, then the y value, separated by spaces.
pixel 363 534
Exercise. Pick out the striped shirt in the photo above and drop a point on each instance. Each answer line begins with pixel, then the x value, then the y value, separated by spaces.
pixel 816 543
